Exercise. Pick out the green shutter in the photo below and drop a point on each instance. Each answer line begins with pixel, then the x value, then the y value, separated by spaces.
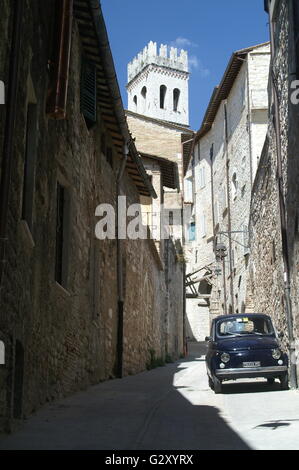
pixel 88 100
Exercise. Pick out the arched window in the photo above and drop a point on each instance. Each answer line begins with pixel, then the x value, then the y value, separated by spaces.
pixel 142 109
pixel 135 100
pixel 162 96
pixel 143 92
pixel 176 97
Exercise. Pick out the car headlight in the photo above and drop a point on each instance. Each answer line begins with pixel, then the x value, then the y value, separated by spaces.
pixel 276 353
pixel 225 357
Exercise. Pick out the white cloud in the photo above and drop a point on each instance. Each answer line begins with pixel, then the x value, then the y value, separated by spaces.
pixel 194 61
pixel 196 64
pixel 183 42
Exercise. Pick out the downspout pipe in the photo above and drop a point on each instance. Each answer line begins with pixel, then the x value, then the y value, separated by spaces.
pixel 119 268
pixel 8 151
pixel 283 221
pixel 229 211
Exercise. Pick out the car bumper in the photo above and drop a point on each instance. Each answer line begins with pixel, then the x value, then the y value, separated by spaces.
pixel 251 372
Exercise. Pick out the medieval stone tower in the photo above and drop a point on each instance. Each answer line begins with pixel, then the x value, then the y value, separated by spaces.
pixel 158 84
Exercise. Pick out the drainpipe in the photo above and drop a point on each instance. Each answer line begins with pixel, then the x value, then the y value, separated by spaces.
pixel 283 218
pixel 119 267
pixel 229 212
pixel 60 60
pixel 249 125
pixel 8 151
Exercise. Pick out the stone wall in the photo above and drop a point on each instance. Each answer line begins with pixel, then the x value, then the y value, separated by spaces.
pixel 60 339
pixel 267 267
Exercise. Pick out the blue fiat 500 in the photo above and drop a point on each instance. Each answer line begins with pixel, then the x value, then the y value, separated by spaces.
pixel 245 346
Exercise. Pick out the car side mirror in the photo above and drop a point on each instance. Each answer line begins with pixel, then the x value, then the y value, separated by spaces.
pixel 208 338
pixel 280 335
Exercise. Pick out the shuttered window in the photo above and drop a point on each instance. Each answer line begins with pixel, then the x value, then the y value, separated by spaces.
pixel 88 100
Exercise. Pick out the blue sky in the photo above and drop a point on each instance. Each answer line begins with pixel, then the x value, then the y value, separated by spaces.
pixel 209 30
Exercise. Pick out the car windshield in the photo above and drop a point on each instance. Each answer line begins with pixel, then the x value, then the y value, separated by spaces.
pixel 240 326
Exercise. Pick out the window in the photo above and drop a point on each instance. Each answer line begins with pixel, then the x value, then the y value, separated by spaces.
pixel 217 212
pixel 88 95
pixel 188 190
pixel 203 225
pixel 191 232
pixel 29 165
pixel 163 90
pixel 234 186
pixel 176 97
pixel 202 177
pixel 170 217
pixel 62 229
pixel 143 92
pixel 143 100
pixel 224 197
pixel 135 100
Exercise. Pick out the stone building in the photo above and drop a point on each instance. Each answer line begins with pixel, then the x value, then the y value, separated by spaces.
pixel 274 228
pixel 219 179
pixel 74 309
pixel 158 111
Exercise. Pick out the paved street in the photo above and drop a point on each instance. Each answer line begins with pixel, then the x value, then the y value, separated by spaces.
pixel 169 407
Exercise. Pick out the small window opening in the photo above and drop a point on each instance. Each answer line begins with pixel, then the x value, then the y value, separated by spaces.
pixel 143 92
pixel 162 96
pixel 234 185
pixel 176 97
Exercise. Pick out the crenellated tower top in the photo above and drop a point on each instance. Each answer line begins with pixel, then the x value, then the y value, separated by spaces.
pixel 158 83
pixel 149 56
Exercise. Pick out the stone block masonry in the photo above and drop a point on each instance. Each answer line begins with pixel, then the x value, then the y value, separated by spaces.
pixel 59 336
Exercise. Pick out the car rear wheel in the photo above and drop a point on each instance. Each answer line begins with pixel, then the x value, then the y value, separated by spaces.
pixel 284 381
pixel 217 385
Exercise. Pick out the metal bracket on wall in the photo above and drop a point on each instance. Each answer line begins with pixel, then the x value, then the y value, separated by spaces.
pixel 226 234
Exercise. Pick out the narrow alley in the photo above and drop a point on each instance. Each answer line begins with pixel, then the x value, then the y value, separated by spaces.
pixel 169 407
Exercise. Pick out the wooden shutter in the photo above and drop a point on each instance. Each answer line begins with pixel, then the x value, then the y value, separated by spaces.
pixel 89 92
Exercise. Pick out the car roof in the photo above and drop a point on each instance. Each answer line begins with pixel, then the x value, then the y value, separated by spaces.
pixel 238 315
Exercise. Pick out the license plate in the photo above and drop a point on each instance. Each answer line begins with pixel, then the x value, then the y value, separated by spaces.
pixel 251 364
